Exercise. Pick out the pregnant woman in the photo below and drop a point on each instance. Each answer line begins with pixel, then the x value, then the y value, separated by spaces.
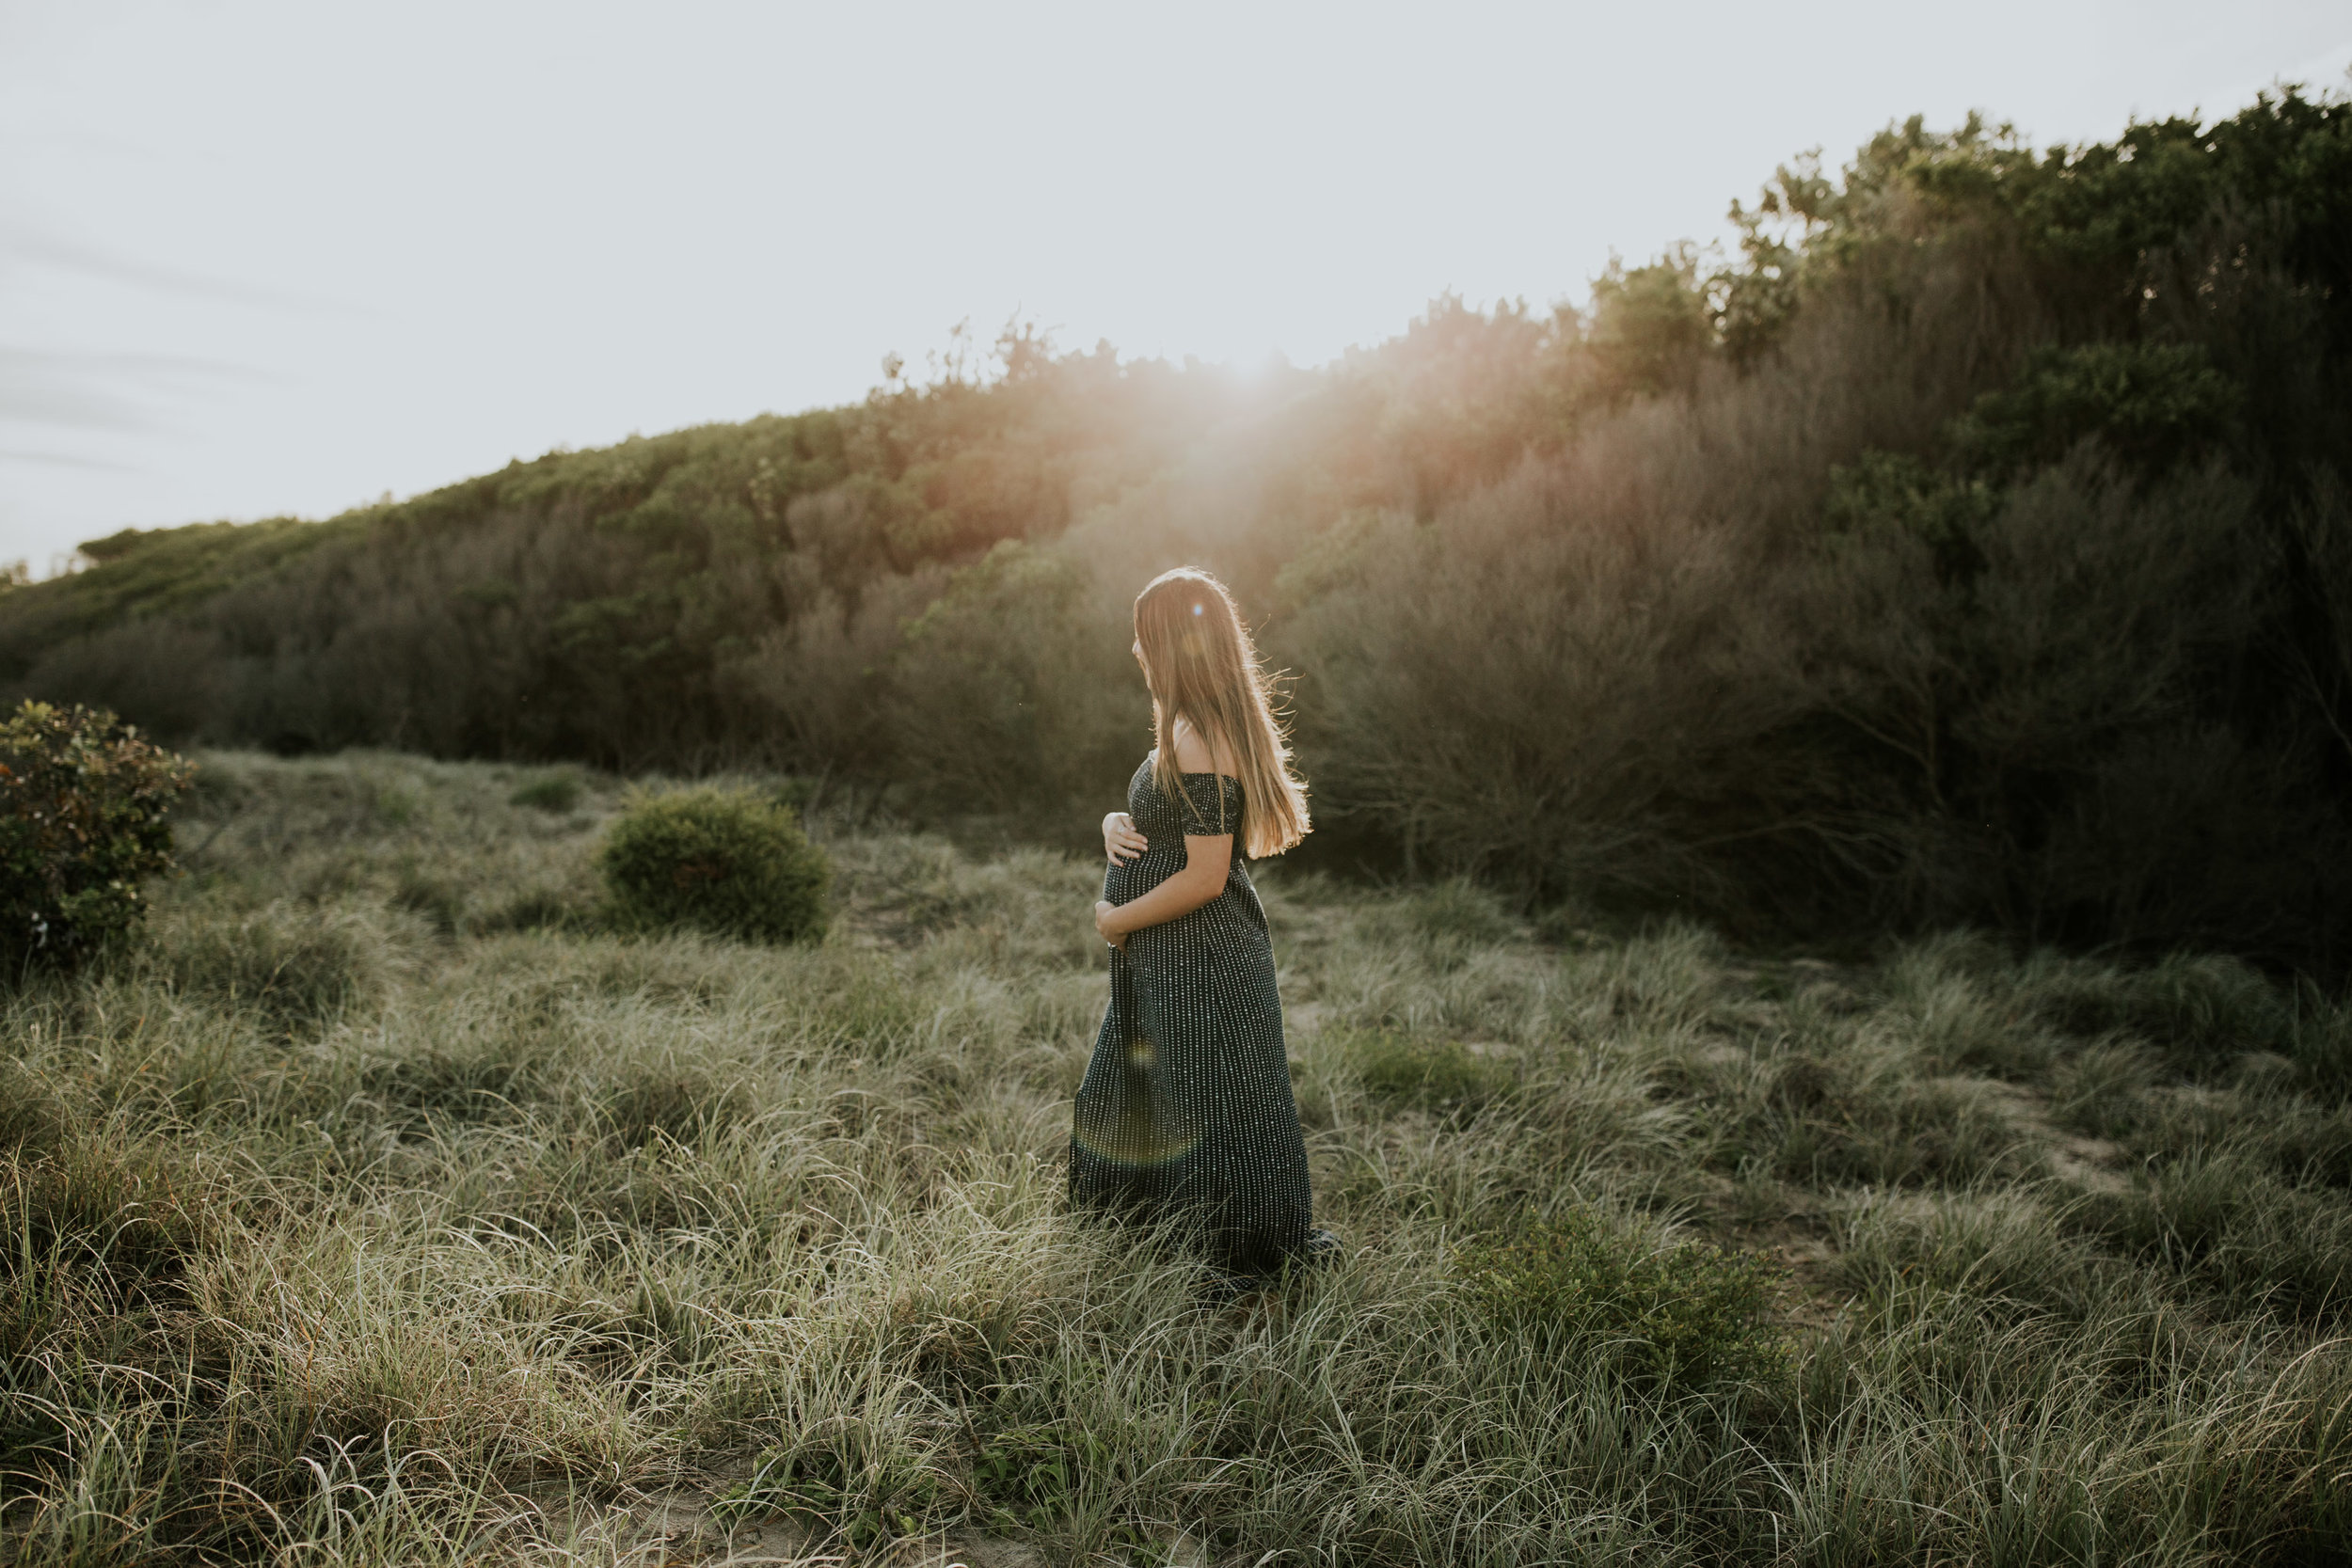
pixel 1186 1111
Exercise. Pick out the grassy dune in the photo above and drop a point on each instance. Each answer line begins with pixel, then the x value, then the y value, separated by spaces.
pixel 382 1209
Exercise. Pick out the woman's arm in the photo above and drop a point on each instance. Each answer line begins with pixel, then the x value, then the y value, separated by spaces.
pixel 1206 858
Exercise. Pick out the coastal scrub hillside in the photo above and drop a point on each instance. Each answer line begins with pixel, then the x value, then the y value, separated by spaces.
pixel 1971 546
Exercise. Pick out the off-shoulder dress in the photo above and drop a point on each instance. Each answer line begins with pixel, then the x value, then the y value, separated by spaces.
pixel 1187 1109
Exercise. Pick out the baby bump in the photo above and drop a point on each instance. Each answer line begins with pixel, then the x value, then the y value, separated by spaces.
pixel 1125 882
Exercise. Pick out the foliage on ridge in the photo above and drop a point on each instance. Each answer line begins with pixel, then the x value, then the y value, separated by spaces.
pixel 1972 546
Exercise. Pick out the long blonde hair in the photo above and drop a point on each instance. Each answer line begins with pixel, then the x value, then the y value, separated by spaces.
pixel 1203 669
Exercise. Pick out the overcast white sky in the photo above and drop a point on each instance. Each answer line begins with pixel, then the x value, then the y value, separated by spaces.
pixel 267 258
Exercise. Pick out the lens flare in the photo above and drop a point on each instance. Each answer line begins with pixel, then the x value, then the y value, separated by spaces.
pixel 1122 1127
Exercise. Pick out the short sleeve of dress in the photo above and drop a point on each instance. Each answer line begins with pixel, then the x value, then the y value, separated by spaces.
pixel 1212 803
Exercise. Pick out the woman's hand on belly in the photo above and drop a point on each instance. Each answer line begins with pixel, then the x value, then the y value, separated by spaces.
pixel 1122 841
pixel 1202 877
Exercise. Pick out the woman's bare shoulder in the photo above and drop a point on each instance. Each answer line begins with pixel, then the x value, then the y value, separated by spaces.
pixel 1196 755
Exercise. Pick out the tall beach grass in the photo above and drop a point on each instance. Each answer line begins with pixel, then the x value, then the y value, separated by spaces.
pixel 388 1207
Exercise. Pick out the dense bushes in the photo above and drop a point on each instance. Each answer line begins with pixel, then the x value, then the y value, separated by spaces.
pixel 1012 691
pixel 617 606
pixel 83 804
pixel 1921 618
pixel 725 861
pixel 1974 549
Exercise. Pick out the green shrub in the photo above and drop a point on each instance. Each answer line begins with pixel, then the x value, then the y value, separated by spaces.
pixel 556 792
pixel 84 818
pixel 729 861
pixel 1691 1316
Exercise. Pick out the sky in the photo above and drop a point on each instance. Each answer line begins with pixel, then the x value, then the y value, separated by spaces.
pixel 260 259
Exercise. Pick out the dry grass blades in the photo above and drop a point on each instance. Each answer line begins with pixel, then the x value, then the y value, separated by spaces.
pixel 361 1218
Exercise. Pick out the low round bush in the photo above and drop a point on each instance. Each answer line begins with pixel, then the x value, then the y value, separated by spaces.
pixel 85 818
pixel 726 860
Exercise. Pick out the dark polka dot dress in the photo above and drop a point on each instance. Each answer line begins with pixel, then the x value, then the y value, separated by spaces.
pixel 1187 1109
